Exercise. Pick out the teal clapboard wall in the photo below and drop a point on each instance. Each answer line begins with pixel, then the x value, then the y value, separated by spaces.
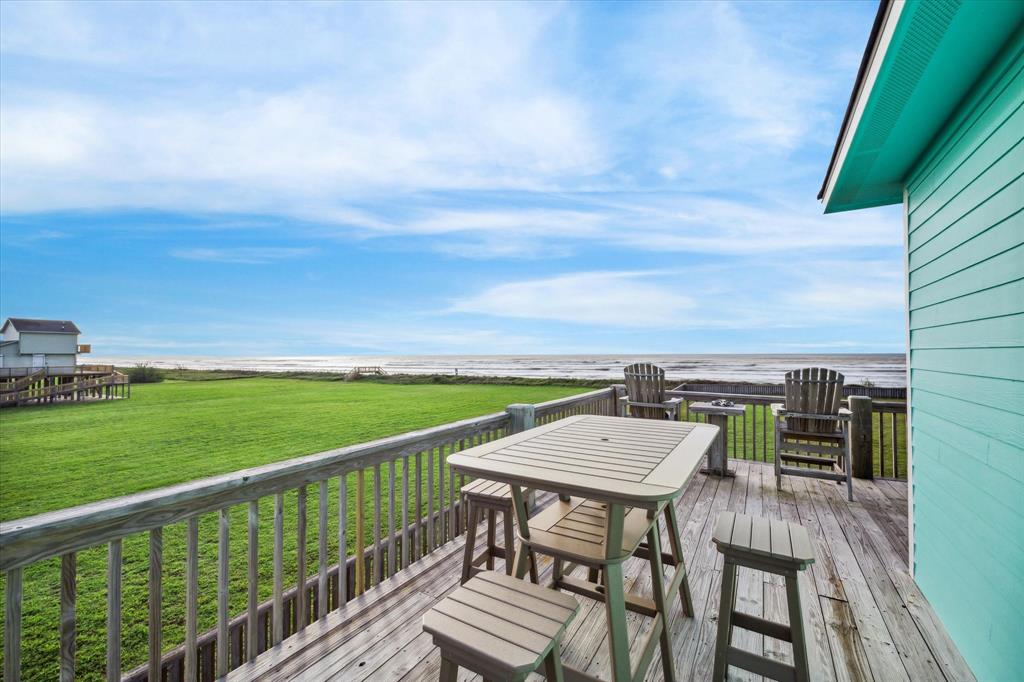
pixel 965 246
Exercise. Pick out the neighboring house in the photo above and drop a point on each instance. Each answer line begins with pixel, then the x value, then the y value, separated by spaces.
pixel 936 122
pixel 35 344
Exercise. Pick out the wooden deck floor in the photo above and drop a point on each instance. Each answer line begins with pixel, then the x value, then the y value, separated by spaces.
pixel 869 620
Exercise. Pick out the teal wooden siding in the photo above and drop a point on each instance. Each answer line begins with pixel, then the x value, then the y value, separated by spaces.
pixel 966 296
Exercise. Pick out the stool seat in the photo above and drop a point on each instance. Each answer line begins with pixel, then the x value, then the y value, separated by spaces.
pixel 575 530
pixel 498 626
pixel 772 546
pixel 760 538
pixel 490 490
pixel 482 495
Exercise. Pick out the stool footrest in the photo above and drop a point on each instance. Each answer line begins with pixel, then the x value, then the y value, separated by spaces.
pixel 761 626
pixel 585 588
pixel 813 473
pixel 760 665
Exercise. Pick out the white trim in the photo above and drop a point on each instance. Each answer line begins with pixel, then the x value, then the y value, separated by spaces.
pixel 874 66
pixel 909 431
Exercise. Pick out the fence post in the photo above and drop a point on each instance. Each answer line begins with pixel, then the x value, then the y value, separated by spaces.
pixel 522 417
pixel 861 437
pixel 618 408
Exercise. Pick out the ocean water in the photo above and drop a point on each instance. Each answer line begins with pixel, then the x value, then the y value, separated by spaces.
pixel 883 369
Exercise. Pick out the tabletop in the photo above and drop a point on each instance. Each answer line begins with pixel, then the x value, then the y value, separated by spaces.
pixel 636 462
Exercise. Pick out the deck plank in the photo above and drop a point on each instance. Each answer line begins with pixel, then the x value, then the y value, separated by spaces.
pixel 868 620
pixel 883 656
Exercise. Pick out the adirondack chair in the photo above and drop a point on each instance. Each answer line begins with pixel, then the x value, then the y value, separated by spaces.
pixel 645 393
pixel 812 428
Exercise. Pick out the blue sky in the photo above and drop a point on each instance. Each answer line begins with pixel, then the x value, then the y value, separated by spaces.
pixel 293 179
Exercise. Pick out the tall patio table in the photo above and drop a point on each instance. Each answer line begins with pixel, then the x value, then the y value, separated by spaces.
pixel 625 464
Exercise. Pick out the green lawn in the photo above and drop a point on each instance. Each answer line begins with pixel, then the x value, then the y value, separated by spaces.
pixel 60 456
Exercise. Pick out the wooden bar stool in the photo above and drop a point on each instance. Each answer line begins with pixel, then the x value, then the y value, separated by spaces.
pixel 479 496
pixel 777 547
pixel 501 628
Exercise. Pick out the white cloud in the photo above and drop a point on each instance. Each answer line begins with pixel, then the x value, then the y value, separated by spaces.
pixel 756 293
pixel 620 299
pixel 453 98
pixel 254 255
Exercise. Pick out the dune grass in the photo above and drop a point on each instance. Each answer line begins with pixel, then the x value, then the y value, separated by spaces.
pixel 61 456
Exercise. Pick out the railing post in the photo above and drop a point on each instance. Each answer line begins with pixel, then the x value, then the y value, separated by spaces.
pixel 522 417
pixel 618 407
pixel 861 437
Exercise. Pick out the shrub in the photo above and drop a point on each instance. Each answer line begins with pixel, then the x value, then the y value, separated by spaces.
pixel 144 373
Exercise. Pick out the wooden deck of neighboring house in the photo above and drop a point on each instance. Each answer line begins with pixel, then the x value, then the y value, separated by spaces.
pixel 869 620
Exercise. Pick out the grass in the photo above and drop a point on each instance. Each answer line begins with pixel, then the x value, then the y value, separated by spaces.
pixel 60 456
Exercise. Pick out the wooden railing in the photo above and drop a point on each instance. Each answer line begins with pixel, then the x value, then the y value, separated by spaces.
pixel 40 386
pixel 875 392
pixel 396 500
pixel 752 436
pixel 604 401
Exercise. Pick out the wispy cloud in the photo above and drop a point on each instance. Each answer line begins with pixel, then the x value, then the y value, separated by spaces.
pixel 759 294
pixel 625 299
pixel 254 255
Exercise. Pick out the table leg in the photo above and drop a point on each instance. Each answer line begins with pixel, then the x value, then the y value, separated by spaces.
pixel 524 554
pixel 658 588
pixel 675 541
pixel 615 596
pixel 718 455
pixel 615 611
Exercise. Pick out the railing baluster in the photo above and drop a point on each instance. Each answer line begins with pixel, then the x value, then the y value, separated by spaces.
pixel 68 597
pixel 223 586
pixel 360 531
pixel 453 521
pixel 301 602
pixel 764 434
pixel 392 562
pixel 321 555
pixel 191 596
pixel 277 626
pixel 442 512
pixel 417 547
pixel 114 554
pixel 463 517
pixel 430 501
pixel 895 467
pixel 745 431
pixel 12 626
pixel 252 613
pixel 405 512
pixel 378 569
pixel 881 442
pixel 343 539
pixel 156 568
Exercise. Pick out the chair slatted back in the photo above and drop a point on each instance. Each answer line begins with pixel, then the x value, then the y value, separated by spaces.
pixel 813 390
pixel 645 383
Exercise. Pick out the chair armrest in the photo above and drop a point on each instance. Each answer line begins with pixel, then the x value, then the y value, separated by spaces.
pixel 845 412
pixel 778 409
pixel 637 403
pixel 828 417
pixel 674 401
